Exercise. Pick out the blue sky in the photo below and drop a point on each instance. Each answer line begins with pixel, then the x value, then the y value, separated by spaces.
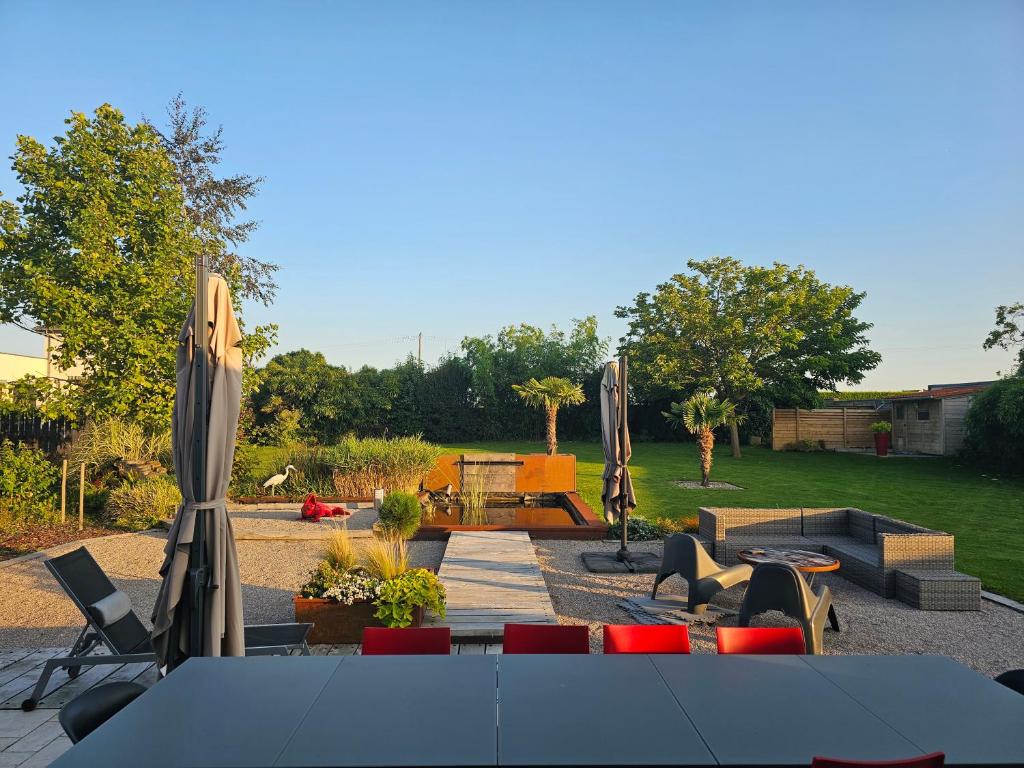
pixel 455 167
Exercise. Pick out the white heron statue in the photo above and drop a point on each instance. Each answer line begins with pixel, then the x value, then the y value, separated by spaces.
pixel 276 480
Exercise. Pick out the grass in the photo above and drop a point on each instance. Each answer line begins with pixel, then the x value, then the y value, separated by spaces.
pixel 983 511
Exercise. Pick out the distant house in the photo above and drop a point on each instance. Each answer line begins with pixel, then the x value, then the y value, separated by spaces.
pixel 15 366
pixel 932 421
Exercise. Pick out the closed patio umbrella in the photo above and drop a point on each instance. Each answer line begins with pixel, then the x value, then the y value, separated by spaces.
pixel 617 494
pixel 199 608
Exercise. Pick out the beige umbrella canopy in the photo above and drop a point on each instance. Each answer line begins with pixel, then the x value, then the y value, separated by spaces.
pixel 617 486
pixel 221 624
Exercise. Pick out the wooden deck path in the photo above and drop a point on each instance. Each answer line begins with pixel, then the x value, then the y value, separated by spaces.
pixel 492 578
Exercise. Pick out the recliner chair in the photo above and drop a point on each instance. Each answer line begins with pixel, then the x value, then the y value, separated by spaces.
pixel 780 587
pixel 686 556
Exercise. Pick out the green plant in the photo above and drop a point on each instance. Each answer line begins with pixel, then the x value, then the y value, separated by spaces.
pixel 638 529
pixel 27 484
pixel 323 577
pixel 805 446
pixel 994 426
pixel 670 525
pixel 400 514
pixel 141 505
pixel 387 557
pixel 402 595
pixel 339 552
pixel 701 415
pixel 880 427
pixel 550 394
pixel 474 501
pixel 106 441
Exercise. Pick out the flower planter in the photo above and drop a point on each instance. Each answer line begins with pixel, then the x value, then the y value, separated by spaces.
pixel 335 622
pixel 881 443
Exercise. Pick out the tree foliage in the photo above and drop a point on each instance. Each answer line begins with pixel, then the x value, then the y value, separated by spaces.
pixel 701 415
pixel 994 426
pixel 1008 333
pixel 740 330
pixel 99 249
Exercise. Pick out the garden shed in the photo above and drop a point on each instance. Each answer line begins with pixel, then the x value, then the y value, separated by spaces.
pixel 932 421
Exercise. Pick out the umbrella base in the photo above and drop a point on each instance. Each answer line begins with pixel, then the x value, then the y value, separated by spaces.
pixel 609 562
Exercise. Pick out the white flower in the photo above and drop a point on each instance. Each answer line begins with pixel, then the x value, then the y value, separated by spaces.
pixel 353 588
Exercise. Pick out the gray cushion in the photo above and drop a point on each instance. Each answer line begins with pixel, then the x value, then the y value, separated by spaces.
pixel 110 609
pixel 865 553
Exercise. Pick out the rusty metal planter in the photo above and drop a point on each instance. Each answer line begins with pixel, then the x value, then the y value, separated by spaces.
pixel 335 623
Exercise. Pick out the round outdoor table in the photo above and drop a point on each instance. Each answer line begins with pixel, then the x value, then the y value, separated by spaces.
pixel 807 562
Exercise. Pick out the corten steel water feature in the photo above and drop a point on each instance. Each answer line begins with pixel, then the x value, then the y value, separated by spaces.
pixel 507 492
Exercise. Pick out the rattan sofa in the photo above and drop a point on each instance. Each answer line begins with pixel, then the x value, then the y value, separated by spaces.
pixel 871 549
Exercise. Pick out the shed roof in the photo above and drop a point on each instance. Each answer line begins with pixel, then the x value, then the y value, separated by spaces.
pixel 940 393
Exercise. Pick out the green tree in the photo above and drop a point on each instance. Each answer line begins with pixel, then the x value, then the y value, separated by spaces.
pixel 550 394
pixel 994 426
pixel 736 330
pixel 1009 332
pixel 701 415
pixel 99 249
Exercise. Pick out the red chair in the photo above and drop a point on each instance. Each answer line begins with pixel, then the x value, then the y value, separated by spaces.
pixel 546 638
pixel 382 641
pixel 934 760
pixel 639 638
pixel 761 640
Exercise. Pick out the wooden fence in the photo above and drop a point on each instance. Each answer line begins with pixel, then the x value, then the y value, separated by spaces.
pixel 48 434
pixel 837 428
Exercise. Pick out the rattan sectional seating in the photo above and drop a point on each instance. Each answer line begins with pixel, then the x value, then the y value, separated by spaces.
pixel 871 549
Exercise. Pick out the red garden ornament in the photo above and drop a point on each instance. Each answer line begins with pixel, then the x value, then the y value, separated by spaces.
pixel 313 510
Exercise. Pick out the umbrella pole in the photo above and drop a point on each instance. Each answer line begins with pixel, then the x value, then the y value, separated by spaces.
pixel 197 572
pixel 623 553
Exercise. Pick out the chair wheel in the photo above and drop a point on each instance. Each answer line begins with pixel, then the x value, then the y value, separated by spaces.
pixel 73 672
pixel 28 705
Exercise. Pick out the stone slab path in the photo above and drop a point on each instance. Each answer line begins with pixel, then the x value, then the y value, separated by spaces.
pixel 492 578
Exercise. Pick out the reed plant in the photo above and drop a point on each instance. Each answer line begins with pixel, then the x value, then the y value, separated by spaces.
pixel 110 440
pixel 474 500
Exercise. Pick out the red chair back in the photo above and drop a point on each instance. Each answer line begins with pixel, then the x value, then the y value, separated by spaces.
pixel 761 640
pixel 934 760
pixel 546 638
pixel 640 638
pixel 382 641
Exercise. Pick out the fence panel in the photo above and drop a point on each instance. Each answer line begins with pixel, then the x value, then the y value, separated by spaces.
pixel 48 434
pixel 837 428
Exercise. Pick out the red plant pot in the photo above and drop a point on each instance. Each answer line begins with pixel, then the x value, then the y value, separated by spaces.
pixel 881 443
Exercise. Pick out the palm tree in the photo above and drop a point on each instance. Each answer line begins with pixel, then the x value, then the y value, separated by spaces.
pixel 701 415
pixel 550 393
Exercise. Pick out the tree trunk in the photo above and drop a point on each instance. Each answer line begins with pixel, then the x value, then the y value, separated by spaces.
pixel 734 440
pixel 552 436
pixel 706 441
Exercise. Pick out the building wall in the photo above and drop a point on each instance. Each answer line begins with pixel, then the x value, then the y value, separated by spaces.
pixel 954 409
pixel 14 367
pixel 911 433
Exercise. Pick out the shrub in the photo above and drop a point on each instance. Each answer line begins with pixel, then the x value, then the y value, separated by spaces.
pixel 881 427
pixel 639 529
pixel 668 525
pixel 110 440
pixel 805 446
pixel 28 482
pixel 141 505
pixel 245 477
pixel 400 514
pixel 400 596
pixel 994 426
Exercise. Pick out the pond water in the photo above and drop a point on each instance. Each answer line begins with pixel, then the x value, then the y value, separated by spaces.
pixel 535 512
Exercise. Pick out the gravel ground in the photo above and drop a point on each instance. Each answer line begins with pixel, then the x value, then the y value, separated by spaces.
pixel 34 611
pixel 285 520
pixel 988 640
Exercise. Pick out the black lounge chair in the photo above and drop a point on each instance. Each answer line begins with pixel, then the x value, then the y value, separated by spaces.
pixel 780 587
pixel 111 622
pixel 686 556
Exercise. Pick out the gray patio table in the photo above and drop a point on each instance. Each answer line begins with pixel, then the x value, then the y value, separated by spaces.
pixel 560 710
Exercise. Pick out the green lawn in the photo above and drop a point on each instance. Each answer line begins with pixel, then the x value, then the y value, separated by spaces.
pixel 986 514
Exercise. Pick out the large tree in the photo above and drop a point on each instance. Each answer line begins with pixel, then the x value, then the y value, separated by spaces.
pixel 100 250
pixel 736 330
